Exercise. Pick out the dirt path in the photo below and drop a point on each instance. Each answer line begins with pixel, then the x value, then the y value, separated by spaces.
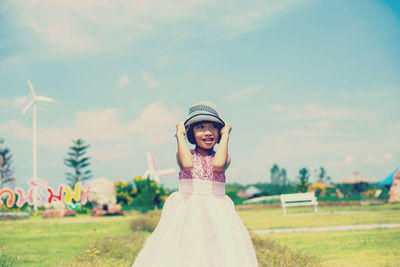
pixel 328 228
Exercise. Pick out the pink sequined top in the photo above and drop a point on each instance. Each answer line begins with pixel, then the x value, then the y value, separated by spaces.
pixel 202 169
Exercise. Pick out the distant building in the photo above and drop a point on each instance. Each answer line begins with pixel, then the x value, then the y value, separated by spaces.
pixel 249 192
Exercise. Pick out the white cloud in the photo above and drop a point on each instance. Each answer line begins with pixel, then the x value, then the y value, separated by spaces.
pixel 156 125
pixel 94 26
pixel 15 104
pixel 350 159
pixel 251 16
pixel 322 125
pixel 244 92
pixel 164 60
pixel 149 80
pixel 379 158
pixel 315 112
pixel 123 82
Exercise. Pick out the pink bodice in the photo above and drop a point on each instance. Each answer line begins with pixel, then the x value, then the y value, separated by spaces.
pixel 202 169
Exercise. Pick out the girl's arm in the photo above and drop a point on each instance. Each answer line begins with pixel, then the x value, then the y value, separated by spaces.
pixel 184 157
pixel 221 158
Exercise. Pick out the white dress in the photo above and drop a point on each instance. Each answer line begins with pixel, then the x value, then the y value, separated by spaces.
pixel 199 226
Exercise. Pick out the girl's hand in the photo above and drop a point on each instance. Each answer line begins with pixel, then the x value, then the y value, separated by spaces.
pixel 226 129
pixel 180 129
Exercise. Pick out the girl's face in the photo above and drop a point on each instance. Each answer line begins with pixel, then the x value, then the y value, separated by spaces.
pixel 206 134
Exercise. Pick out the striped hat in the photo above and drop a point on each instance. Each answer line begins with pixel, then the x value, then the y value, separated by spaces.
pixel 203 111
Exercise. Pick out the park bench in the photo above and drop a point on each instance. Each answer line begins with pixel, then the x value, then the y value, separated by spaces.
pixel 300 199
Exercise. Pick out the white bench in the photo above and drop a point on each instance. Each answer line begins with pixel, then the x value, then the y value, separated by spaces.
pixel 300 199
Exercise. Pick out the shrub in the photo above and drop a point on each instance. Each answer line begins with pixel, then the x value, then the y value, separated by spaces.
pixel 147 223
pixel 272 253
pixel 7 260
pixel 276 189
pixel 144 194
pixel 319 189
pixel 118 250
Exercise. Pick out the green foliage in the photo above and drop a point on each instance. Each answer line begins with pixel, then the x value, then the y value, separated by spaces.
pixel 124 192
pixel 276 189
pixel 272 253
pixel 145 223
pixel 6 168
pixel 231 191
pixel 144 194
pixel 84 209
pixel 375 247
pixel 119 250
pixel 278 176
pixel 54 242
pixel 232 194
pixel 78 162
pixel 304 176
pixel 5 259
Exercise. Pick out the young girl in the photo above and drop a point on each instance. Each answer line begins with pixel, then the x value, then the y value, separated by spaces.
pixel 199 226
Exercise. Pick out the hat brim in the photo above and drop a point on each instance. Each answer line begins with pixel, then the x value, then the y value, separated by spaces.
pixel 203 117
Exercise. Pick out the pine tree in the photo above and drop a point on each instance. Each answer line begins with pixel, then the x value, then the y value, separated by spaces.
pixel 78 162
pixel 275 174
pixel 6 169
pixel 304 176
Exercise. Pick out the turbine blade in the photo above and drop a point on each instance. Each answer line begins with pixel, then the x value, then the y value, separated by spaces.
pixel 150 161
pixel 166 172
pixel 31 87
pixel 45 99
pixel 28 106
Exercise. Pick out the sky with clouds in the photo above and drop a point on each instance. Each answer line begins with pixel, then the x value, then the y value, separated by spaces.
pixel 304 83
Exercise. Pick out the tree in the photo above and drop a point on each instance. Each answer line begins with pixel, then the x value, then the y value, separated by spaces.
pixel 283 177
pixel 278 177
pixel 275 174
pixel 78 162
pixel 322 174
pixel 6 169
pixel 304 176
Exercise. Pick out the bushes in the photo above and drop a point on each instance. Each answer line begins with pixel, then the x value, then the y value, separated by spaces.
pixel 144 194
pixel 272 253
pixel 147 223
pixel 7 260
pixel 118 250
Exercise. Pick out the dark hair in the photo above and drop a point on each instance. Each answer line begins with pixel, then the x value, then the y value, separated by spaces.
pixel 190 131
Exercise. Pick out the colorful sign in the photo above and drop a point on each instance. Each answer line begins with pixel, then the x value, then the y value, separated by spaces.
pixel 45 194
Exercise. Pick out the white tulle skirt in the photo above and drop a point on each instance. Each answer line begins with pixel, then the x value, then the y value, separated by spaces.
pixel 199 227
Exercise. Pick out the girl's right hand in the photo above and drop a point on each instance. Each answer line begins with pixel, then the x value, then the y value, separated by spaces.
pixel 180 129
pixel 226 129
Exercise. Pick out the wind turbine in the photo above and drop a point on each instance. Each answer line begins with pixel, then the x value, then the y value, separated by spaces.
pixel 35 99
pixel 152 172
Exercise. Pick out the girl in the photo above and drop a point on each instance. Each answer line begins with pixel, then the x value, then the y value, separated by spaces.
pixel 199 226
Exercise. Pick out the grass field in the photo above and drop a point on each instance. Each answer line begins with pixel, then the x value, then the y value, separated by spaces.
pixel 327 216
pixel 378 247
pixel 83 240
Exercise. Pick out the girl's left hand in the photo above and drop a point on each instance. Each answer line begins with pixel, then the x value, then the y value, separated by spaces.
pixel 226 129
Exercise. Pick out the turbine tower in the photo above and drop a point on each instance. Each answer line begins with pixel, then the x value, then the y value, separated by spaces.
pixel 152 171
pixel 35 99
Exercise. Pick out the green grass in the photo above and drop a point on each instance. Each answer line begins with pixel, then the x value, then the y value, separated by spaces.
pixel 379 247
pixel 73 241
pixel 327 216
pixel 44 242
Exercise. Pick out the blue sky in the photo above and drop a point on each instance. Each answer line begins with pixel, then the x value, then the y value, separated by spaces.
pixel 303 83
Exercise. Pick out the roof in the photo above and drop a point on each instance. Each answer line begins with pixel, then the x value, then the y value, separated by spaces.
pixel 355 178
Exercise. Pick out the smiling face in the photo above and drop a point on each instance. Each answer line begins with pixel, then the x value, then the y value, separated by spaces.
pixel 206 134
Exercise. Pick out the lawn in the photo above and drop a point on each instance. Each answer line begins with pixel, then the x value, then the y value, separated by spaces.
pixel 44 242
pixel 327 216
pixel 378 247
pixel 110 241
